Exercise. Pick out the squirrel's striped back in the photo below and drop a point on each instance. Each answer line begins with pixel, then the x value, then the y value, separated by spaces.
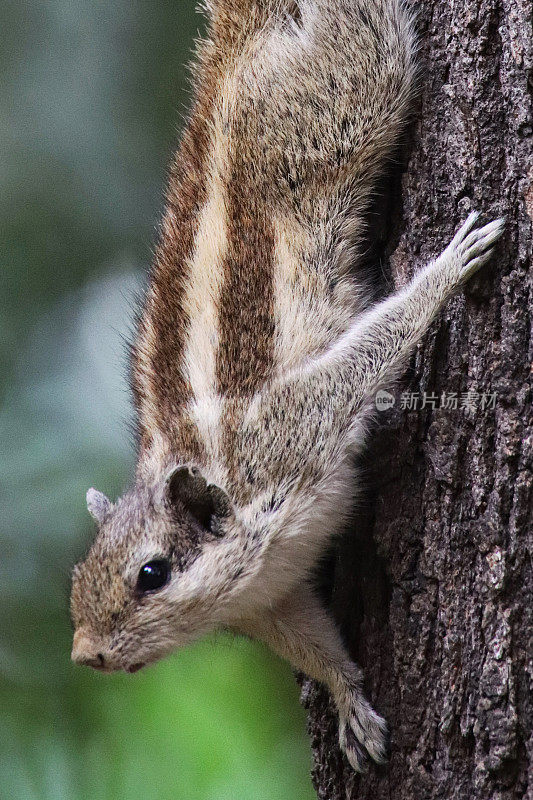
pixel 298 105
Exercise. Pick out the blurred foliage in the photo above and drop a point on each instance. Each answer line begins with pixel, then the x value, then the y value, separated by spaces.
pixel 90 96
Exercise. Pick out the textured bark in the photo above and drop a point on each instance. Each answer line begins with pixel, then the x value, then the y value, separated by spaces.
pixel 433 587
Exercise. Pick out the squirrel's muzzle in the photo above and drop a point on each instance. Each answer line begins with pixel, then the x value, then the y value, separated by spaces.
pixel 88 651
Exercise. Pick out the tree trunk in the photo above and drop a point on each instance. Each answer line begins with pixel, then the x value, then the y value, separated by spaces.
pixel 433 587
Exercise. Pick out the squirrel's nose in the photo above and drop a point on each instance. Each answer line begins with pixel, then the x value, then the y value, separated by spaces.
pixel 86 651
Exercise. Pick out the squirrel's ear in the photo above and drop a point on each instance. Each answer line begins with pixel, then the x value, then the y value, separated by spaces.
pixel 187 488
pixel 98 505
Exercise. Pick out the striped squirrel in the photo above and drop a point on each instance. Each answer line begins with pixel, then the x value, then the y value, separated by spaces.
pixel 257 354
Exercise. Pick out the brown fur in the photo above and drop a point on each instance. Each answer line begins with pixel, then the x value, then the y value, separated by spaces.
pixel 246 317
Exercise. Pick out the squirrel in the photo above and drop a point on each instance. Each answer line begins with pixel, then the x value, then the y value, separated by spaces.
pixel 257 355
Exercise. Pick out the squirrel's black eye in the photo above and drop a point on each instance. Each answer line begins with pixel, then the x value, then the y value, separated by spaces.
pixel 153 575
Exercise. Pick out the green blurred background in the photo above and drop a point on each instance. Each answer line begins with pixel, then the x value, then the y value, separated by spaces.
pixel 91 97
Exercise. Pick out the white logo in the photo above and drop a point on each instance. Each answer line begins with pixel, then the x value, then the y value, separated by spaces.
pixel 384 400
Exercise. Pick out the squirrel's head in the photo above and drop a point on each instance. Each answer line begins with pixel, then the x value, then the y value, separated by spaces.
pixel 160 573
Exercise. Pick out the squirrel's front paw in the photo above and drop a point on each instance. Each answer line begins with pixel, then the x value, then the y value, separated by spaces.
pixel 363 735
pixel 471 247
